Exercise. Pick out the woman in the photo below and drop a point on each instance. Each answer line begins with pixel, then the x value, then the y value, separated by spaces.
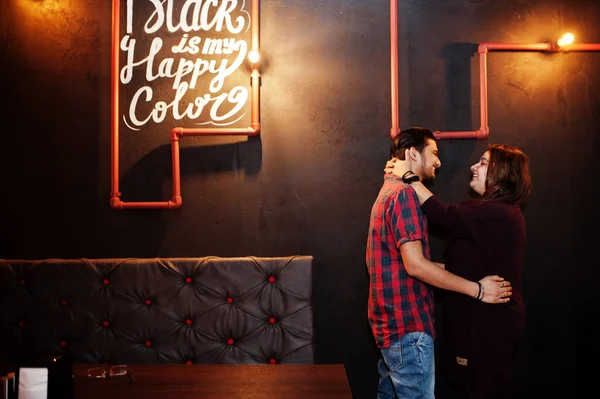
pixel 486 237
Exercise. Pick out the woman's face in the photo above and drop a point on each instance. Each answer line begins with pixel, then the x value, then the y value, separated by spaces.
pixel 479 173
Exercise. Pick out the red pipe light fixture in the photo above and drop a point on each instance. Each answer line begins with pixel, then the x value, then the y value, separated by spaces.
pixel 565 43
pixel 178 132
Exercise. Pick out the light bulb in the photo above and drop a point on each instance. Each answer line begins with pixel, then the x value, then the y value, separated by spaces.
pixel 253 56
pixel 565 40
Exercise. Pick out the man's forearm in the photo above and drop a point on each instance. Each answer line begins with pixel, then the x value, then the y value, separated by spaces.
pixel 493 289
pixel 433 274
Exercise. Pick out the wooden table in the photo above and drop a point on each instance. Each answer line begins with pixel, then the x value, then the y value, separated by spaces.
pixel 160 381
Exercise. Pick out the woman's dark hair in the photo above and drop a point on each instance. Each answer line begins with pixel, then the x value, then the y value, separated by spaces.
pixel 412 137
pixel 507 178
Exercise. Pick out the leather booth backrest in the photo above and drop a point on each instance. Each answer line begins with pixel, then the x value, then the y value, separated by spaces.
pixel 170 310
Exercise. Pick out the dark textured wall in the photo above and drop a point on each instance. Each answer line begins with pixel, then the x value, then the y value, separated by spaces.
pixel 306 184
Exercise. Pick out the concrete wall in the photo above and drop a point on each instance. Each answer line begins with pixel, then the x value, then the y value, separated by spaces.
pixel 307 183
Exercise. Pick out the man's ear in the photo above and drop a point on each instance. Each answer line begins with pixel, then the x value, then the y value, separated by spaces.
pixel 412 154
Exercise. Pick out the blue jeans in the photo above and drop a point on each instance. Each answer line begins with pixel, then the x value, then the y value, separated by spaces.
pixel 407 368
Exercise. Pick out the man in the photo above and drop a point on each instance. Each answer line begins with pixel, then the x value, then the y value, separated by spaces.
pixel 398 260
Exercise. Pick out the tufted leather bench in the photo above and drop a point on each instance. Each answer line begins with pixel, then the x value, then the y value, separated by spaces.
pixel 170 310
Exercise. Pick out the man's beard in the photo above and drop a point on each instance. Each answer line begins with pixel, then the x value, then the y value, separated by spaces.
pixel 425 173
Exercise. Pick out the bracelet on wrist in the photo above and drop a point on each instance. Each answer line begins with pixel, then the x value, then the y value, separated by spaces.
pixel 409 177
pixel 482 293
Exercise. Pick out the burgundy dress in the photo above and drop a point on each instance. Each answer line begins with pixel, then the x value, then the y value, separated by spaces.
pixel 485 238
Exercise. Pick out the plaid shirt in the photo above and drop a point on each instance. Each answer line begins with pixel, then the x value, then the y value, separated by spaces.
pixel 398 303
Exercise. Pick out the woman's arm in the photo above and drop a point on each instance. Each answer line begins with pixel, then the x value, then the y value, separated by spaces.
pixel 452 218
pixel 422 192
pixel 399 168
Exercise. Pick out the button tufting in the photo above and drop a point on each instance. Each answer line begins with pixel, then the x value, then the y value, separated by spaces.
pixel 208 282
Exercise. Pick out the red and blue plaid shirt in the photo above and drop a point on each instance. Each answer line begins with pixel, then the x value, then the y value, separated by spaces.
pixel 398 303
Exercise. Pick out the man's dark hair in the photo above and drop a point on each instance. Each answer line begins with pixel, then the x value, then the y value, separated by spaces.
pixel 411 137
